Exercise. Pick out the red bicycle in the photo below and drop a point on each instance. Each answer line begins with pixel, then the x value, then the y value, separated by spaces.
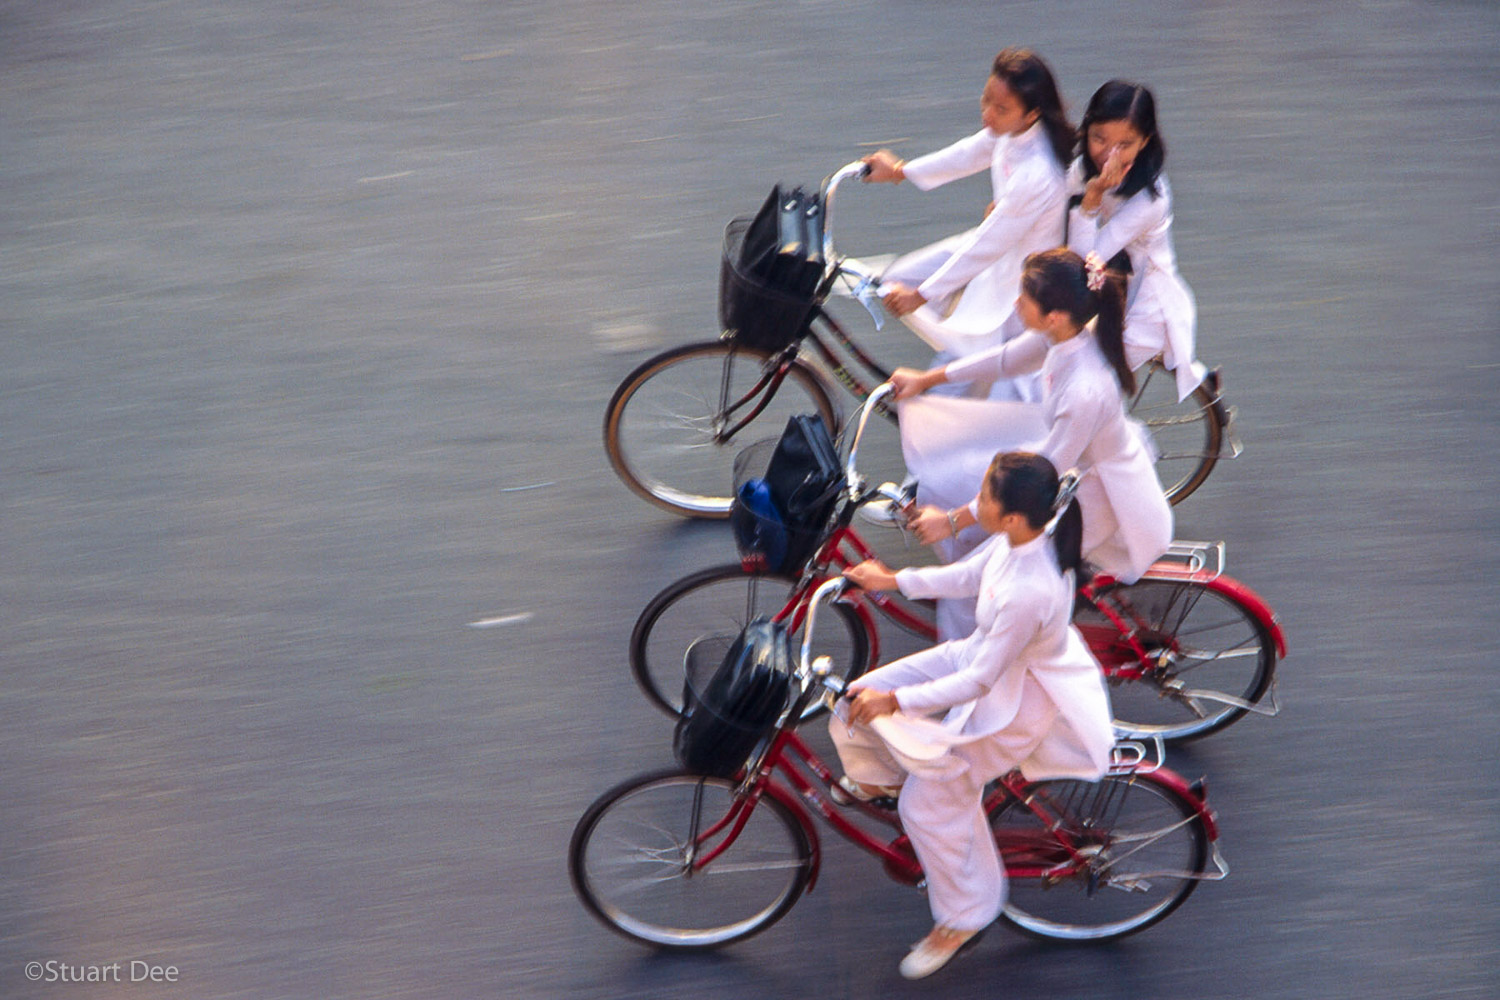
pixel 1187 649
pixel 684 861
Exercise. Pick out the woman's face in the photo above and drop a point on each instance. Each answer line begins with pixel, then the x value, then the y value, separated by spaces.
pixel 1030 311
pixel 1117 138
pixel 1001 111
pixel 991 517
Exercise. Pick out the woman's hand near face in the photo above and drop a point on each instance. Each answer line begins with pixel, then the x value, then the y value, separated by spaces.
pixel 885 167
pixel 1109 177
pixel 872 574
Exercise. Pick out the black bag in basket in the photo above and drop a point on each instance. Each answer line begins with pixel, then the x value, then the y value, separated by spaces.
pixel 771 270
pixel 784 245
pixel 731 707
pixel 804 478
pixel 800 486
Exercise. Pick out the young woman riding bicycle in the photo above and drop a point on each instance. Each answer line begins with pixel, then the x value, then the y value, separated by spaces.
pixel 1021 691
pixel 1076 309
pixel 1024 144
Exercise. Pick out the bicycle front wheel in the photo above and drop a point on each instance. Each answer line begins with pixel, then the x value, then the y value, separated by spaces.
pixel 716 603
pixel 634 861
pixel 1188 435
pixel 1207 657
pixel 672 430
pixel 1144 847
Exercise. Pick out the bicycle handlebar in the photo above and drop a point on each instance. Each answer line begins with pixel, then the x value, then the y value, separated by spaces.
pixel 851 475
pixel 859 168
pixel 828 590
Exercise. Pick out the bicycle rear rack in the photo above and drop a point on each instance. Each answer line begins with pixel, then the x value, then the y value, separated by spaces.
pixel 1200 562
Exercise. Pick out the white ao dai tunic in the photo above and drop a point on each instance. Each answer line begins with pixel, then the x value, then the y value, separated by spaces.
pixel 1160 316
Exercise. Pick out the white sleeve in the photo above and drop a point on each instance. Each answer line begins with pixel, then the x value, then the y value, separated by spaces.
pixel 959 578
pixel 1028 194
pixel 1139 215
pixel 965 157
pixel 1019 356
pixel 1017 621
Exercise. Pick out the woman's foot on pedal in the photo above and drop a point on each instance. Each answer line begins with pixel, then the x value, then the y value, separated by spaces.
pixel 847 791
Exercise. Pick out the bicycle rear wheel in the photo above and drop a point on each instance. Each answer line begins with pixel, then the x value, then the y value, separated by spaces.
pixel 1207 656
pixel 718 602
pixel 1146 852
pixel 1188 434
pixel 669 428
pixel 633 852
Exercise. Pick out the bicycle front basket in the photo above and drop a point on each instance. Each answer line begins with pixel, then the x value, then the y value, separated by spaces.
pixel 755 310
pixel 785 491
pixel 734 693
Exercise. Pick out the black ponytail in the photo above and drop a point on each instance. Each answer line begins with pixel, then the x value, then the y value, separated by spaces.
pixel 1059 280
pixel 1031 80
pixel 1109 329
pixel 1067 540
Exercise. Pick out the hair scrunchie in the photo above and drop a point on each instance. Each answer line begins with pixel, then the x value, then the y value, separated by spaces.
pixel 1094 271
pixel 1067 486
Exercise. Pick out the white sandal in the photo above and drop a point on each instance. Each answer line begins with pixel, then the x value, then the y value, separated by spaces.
pixel 847 791
pixel 926 957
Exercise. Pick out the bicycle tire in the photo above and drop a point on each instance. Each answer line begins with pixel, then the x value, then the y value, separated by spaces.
pixel 628 863
pixel 1197 638
pixel 719 601
pixel 1147 856
pixel 663 427
pixel 1188 435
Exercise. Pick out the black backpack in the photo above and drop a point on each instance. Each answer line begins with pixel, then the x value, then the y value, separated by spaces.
pixel 732 702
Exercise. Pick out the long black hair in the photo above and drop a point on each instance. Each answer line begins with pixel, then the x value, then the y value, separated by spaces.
pixel 1123 101
pixel 1027 484
pixel 1031 80
pixel 1058 279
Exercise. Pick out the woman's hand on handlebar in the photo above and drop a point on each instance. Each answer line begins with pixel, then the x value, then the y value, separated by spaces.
pixel 885 168
pixel 872 574
pixel 933 524
pixel 900 300
pixel 908 382
pixel 866 704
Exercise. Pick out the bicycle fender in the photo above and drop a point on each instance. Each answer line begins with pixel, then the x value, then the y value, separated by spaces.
pixel 1235 590
pixel 1174 782
pixel 794 806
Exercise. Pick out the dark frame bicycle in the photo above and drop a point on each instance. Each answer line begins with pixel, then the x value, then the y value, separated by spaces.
pixel 675 424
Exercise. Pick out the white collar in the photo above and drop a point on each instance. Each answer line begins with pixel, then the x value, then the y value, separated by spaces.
pixel 1026 548
pixel 1025 143
pixel 1073 344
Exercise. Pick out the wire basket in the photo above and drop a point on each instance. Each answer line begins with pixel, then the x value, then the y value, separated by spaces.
pixel 760 531
pixel 752 311
pixel 735 690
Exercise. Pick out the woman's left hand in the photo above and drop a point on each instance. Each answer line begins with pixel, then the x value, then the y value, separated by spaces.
pixel 869 704
pixel 901 300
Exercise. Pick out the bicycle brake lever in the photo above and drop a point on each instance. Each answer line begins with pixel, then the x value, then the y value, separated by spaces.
pixel 868 294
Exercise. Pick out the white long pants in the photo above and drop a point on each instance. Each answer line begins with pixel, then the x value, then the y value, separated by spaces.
pixel 941 806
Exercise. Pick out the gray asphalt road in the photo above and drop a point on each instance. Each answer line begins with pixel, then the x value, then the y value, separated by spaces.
pixel 315 584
